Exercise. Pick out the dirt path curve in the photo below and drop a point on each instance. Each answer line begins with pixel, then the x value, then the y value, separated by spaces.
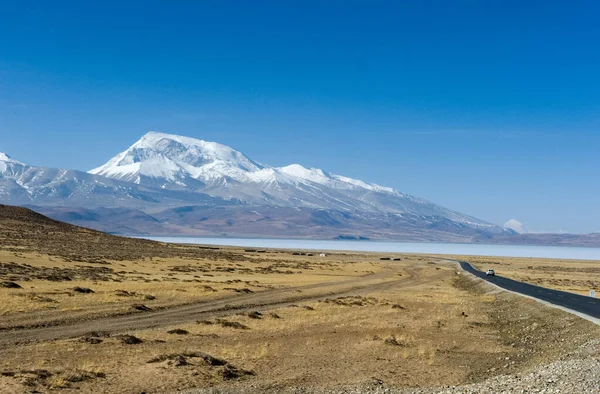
pixel 220 307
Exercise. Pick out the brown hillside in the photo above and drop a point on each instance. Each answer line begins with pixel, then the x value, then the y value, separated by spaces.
pixel 23 230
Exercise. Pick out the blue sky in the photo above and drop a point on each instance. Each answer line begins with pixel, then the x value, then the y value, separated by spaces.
pixel 491 108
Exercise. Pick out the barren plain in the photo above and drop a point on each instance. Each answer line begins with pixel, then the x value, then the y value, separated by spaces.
pixel 84 311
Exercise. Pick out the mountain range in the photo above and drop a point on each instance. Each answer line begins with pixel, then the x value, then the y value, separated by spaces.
pixel 168 184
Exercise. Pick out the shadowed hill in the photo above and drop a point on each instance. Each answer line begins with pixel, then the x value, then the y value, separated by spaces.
pixel 23 230
pixel 12 216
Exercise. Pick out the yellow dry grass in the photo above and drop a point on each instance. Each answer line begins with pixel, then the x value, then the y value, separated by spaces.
pixel 159 283
pixel 410 323
pixel 439 328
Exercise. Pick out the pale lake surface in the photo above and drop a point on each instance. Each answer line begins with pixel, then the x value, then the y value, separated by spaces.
pixel 557 252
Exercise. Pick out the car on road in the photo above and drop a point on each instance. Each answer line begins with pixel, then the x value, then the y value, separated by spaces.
pixel 490 273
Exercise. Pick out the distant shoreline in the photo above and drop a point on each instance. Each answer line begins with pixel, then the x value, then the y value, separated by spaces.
pixel 377 246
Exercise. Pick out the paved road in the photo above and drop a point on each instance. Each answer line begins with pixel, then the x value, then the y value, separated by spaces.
pixel 587 305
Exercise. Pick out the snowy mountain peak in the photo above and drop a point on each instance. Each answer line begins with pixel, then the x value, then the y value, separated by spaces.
pixel 193 151
pixel 516 226
pixel 187 150
pixel 177 163
pixel 312 174
pixel 7 159
pixel 174 159
pixel 6 163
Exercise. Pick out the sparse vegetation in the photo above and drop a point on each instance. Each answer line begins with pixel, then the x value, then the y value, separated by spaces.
pixel 94 338
pixel 395 342
pixel 42 378
pixel 255 315
pixel 232 324
pixel 10 285
pixel 83 290
pixel 210 360
pixel 141 307
pixel 178 331
pixel 346 315
pixel 129 339
pixel 230 372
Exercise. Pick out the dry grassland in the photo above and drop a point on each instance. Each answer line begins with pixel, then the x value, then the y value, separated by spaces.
pixel 94 313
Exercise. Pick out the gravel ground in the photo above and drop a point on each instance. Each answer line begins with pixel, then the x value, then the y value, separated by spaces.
pixel 576 373
pixel 572 377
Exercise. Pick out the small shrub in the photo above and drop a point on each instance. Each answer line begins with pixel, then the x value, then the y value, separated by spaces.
pixel 82 376
pixel 39 298
pixel 130 340
pixel 178 331
pixel 233 324
pixel 210 360
pixel 7 373
pixel 395 342
pixel 10 285
pixel 141 307
pixel 230 372
pixel 91 339
pixel 83 290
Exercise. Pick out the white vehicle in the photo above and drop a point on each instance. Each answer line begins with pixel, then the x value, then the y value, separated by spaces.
pixel 490 273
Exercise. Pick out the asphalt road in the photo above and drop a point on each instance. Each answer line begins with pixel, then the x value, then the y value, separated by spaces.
pixel 587 305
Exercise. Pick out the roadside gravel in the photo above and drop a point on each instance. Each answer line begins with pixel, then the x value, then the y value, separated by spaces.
pixel 569 377
pixel 576 373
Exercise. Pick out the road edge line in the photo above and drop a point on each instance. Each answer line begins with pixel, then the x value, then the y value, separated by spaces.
pixel 571 311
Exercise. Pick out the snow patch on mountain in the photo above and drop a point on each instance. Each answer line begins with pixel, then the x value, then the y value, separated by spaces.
pixel 6 161
pixel 6 158
pixel 516 226
pixel 158 155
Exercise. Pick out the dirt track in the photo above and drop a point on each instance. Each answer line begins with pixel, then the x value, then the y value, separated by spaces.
pixel 218 308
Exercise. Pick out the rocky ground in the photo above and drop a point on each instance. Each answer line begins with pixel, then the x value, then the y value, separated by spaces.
pixel 577 373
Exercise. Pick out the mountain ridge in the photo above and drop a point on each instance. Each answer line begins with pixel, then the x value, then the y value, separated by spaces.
pixel 142 190
pixel 224 172
pixel 22 184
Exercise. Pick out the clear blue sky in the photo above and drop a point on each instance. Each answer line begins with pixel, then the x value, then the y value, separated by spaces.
pixel 488 107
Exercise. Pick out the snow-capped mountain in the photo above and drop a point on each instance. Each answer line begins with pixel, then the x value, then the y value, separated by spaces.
pixel 174 162
pixel 22 184
pixel 168 184
pixel 516 226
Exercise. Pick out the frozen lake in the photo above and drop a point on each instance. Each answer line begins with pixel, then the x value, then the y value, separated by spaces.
pixel 557 252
